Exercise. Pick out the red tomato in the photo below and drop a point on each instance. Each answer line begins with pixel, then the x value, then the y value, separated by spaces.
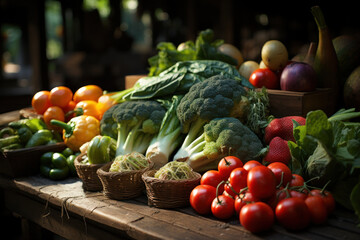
pixel 243 199
pixel 292 213
pixel 282 173
pixel 279 195
pixel 261 182
pixel 264 77
pixel 294 193
pixel 238 178
pixel 212 178
pixel 296 180
pixel 222 207
pixel 227 164
pixel 256 217
pixel 229 190
pixel 317 209
pixel 201 198
pixel 250 164
pixel 327 197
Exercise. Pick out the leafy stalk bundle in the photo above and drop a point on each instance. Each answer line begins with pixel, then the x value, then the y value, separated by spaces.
pixel 329 148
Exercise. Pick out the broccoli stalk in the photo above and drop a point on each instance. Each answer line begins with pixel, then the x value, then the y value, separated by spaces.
pixel 169 136
pixel 222 137
pixel 133 140
pixel 133 124
pixel 196 129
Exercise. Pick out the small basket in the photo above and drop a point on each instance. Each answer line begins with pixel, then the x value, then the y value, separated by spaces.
pixel 122 185
pixel 169 193
pixel 87 173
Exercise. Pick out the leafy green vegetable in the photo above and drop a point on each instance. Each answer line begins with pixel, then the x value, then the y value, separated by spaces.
pixel 355 199
pixel 204 48
pixel 329 148
pixel 178 79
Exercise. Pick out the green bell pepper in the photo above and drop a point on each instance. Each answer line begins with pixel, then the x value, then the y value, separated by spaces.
pixel 58 160
pixel 41 137
pixel 70 161
pixel 54 165
pixel 34 124
pixel 59 173
pixel 67 152
pixel 101 149
pixel 25 134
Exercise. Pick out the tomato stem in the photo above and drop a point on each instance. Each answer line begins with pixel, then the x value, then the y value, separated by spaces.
pixel 232 189
pixel 217 190
pixel 227 162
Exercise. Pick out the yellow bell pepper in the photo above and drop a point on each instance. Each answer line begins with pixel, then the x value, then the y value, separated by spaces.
pixel 78 130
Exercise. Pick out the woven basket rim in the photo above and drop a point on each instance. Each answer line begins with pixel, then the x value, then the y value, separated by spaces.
pixel 104 170
pixel 148 176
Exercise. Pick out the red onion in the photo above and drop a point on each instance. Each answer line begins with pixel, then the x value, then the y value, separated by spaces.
pixel 298 76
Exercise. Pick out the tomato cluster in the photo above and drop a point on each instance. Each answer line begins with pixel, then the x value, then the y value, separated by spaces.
pixel 62 104
pixel 260 195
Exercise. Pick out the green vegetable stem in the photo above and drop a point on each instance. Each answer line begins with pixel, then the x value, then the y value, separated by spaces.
pixel 9 140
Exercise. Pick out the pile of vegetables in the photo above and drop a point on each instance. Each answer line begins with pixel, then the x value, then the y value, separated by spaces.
pixel 60 103
pixel 58 165
pixel 203 109
pixel 26 133
pixel 204 48
pixel 260 195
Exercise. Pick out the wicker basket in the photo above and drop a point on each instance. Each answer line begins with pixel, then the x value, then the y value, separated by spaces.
pixel 87 173
pixel 122 185
pixel 168 193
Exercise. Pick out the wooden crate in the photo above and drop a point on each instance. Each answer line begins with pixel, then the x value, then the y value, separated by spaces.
pixel 130 80
pixel 286 103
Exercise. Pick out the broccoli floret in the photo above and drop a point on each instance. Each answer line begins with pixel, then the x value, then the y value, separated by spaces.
pixel 223 137
pixel 136 124
pixel 215 97
pixel 169 136
pixel 108 126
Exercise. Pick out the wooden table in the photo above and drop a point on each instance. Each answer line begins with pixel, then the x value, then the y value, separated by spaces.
pixel 64 208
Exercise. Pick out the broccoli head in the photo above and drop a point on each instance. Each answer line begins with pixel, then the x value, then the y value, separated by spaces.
pixel 108 126
pixel 215 97
pixel 136 123
pixel 223 137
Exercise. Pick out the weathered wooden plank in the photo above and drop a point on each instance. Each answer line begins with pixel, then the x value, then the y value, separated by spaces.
pixel 133 218
pixel 55 220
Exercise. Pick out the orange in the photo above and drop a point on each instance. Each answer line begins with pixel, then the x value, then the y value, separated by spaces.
pixel 89 108
pixel 60 96
pixel 88 92
pixel 54 112
pixel 41 101
pixel 105 102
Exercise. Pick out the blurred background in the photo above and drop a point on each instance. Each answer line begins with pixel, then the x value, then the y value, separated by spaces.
pixel 47 43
